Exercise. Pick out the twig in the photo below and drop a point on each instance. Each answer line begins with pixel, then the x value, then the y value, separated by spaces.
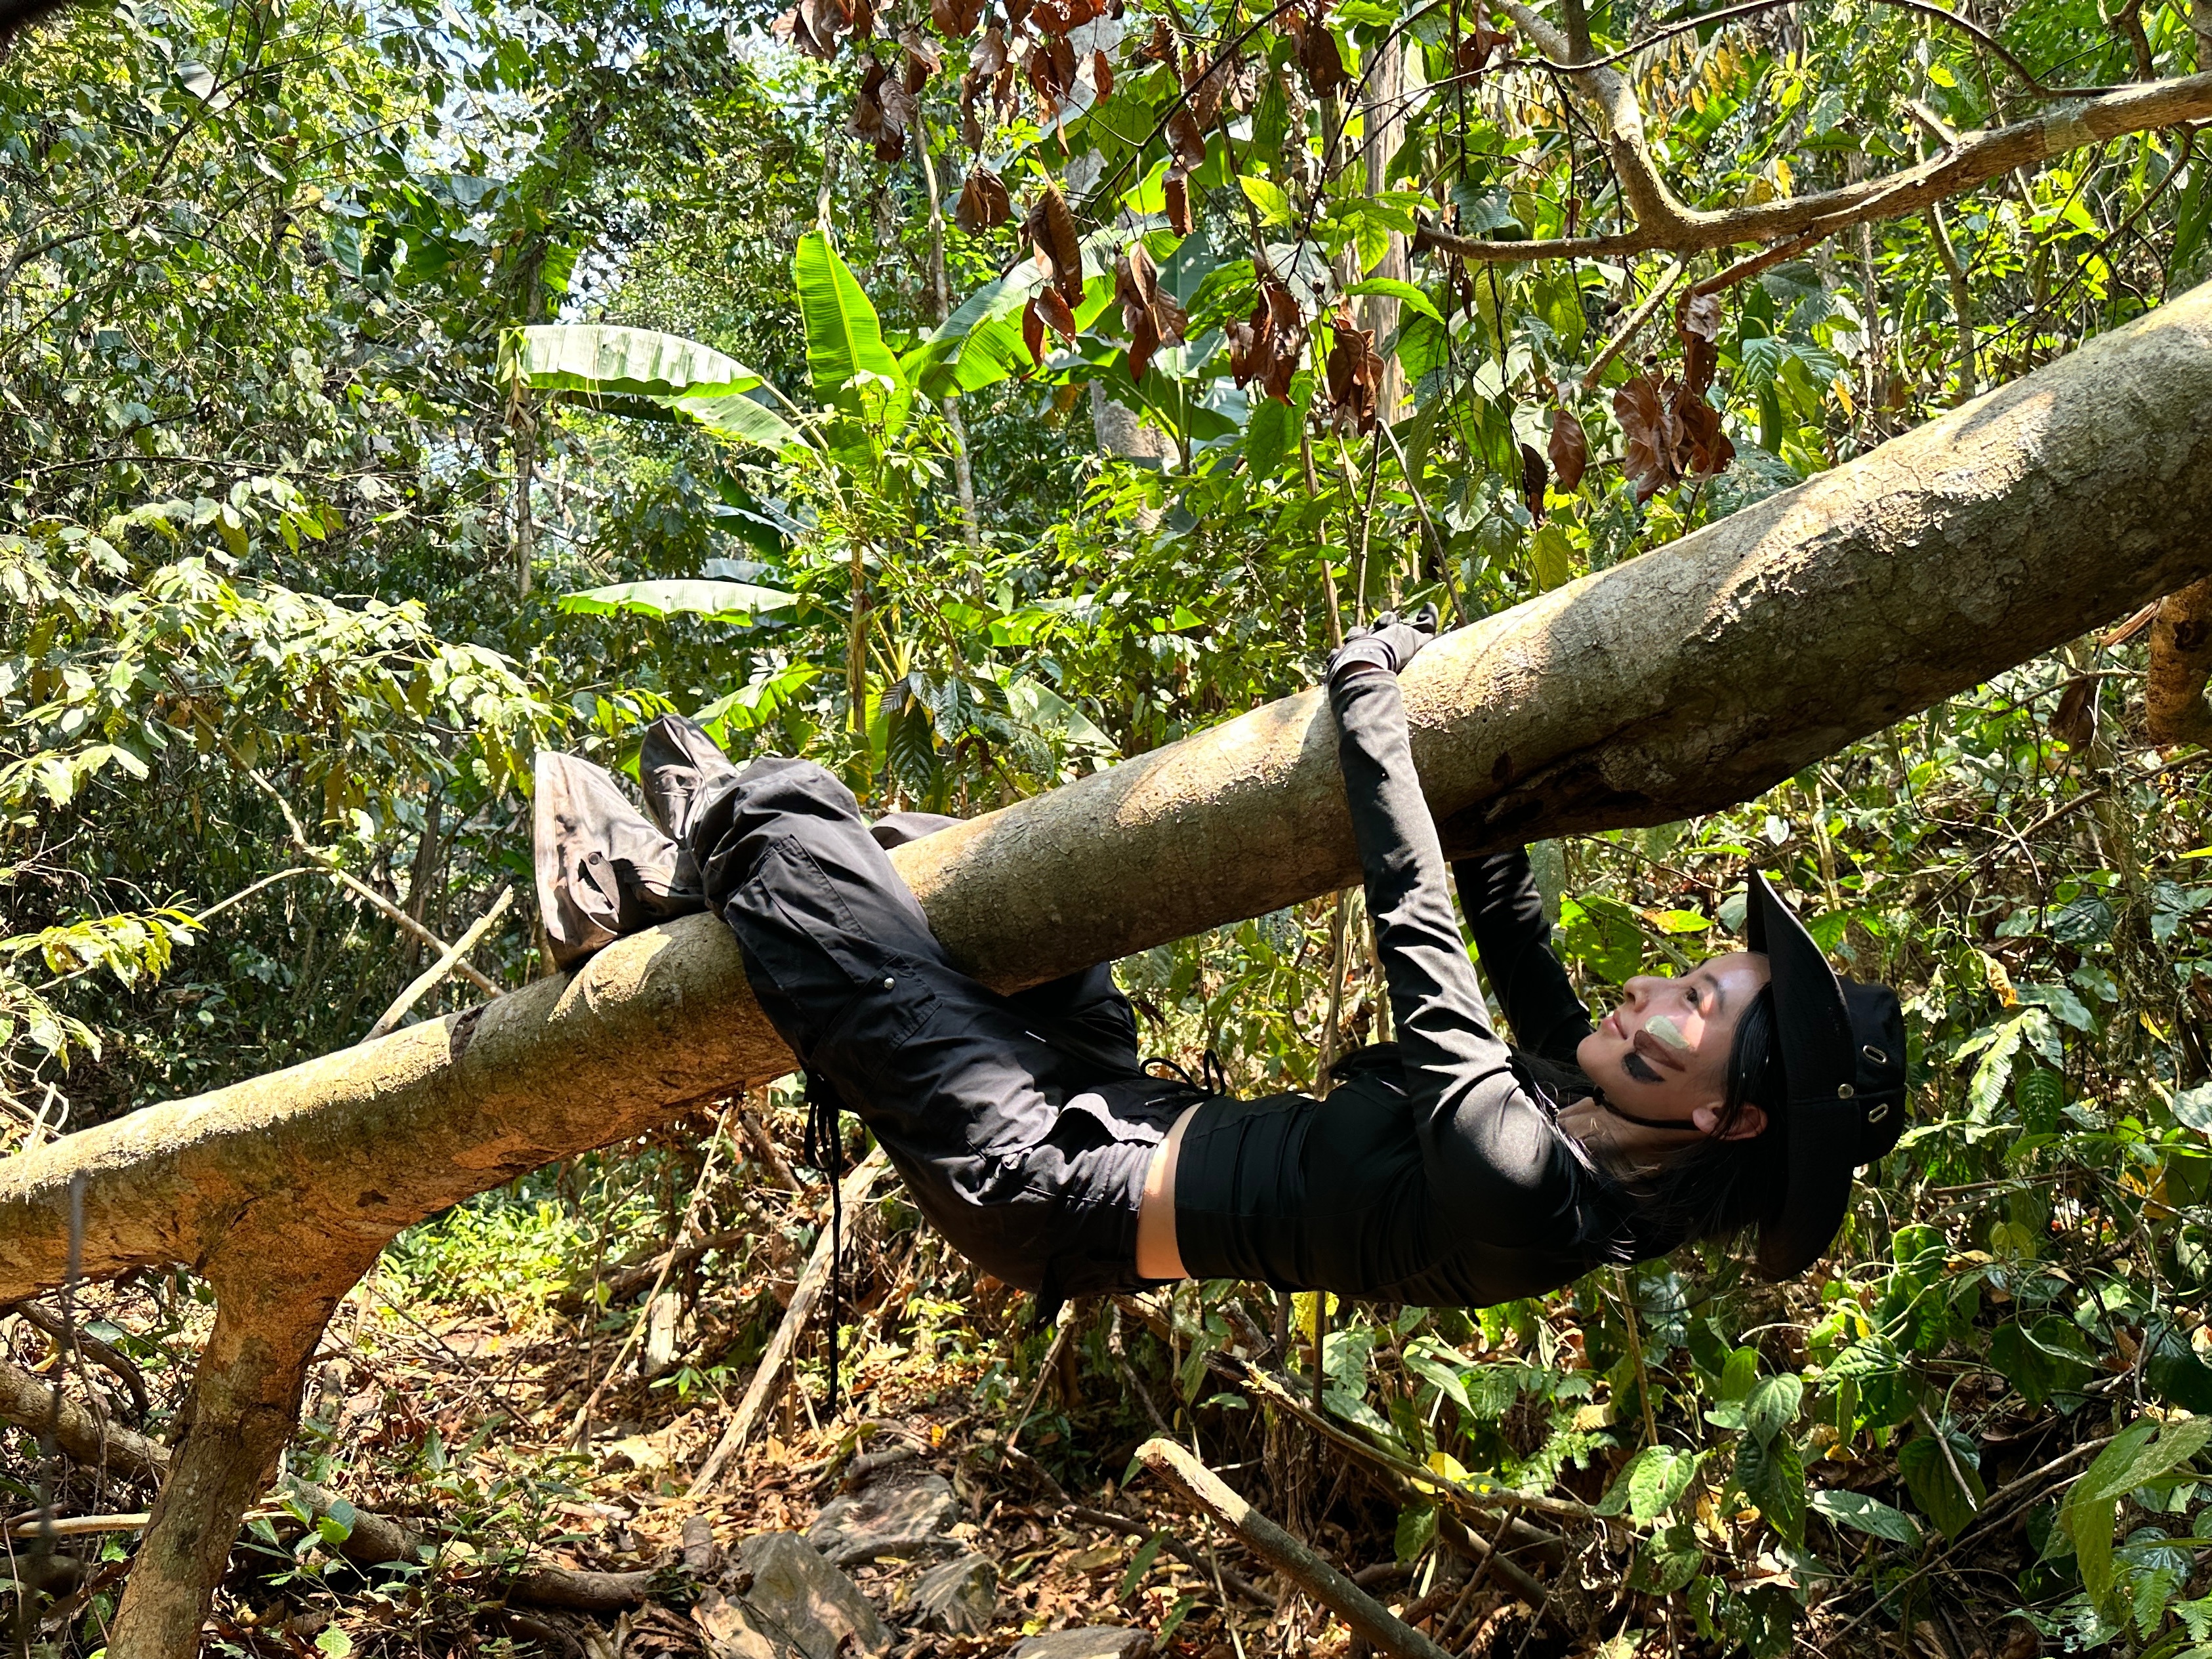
pixel 1308 1572
pixel 577 1428
pixel 1065 1329
pixel 1130 1527
pixel 803 1298
pixel 764 1151
pixel 1629 330
pixel 428 978
pixel 360 889
pixel 107 1358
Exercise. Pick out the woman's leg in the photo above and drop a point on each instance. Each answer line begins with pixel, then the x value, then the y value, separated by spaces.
pixel 967 1099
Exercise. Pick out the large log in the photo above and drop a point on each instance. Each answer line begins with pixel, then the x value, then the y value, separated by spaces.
pixel 1688 679
pixel 1684 680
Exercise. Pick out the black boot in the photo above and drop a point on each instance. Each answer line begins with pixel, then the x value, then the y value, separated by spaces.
pixel 603 869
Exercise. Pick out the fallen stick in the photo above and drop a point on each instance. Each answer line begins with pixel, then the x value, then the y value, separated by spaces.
pixel 370 1541
pixel 455 954
pixel 803 1298
pixel 1366 1616
pixel 101 1353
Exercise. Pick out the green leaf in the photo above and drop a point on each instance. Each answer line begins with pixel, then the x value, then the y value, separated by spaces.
pixel 601 359
pixel 1404 293
pixel 1267 197
pixel 1656 1480
pixel 1866 1514
pixel 1928 1476
pixel 1269 435
pixel 1771 1475
pixel 2052 1357
pixel 844 339
pixel 1772 1405
pixel 733 415
pixel 980 343
pixel 729 602
pixel 1148 1553
pixel 2175 1373
pixel 1417 1530
pixel 1551 557
pixel 1668 1561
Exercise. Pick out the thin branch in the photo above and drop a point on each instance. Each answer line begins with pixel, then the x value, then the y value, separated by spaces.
pixel 447 963
pixel 1978 158
pixel 360 889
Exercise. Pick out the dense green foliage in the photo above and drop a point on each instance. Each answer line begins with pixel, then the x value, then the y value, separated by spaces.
pixel 307 544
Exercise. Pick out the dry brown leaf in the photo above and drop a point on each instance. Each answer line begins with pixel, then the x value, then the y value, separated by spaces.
pixel 922 61
pixel 1187 139
pixel 1323 63
pixel 1150 312
pixel 1533 477
pixel 1057 313
pixel 1102 74
pixel 1175 189
pixel 1051 230
pixel 1648 454
pixel 1355 373
pixel 955 18
pixel 2074 723
pixel 1570 447
pixel 1701 447
pixel 1701 332
pixel 984 204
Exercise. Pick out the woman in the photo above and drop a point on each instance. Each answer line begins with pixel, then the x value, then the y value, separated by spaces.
pixel 1444 1168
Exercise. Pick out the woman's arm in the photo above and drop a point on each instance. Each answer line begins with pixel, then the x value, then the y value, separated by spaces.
pixel 1513 937
pixel 1495 1167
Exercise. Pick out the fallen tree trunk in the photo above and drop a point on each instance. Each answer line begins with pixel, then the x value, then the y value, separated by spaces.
pixel 1683 680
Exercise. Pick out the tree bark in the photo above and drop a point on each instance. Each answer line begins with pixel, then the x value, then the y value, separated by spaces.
pixel 243 1406
pixel 1678 683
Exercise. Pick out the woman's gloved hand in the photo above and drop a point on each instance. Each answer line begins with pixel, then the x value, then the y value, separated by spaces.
pixel 1389 643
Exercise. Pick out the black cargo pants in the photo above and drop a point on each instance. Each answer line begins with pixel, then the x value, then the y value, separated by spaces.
pixel 1022 1125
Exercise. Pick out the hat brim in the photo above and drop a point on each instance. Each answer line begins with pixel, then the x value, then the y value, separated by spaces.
pixel 1820 1119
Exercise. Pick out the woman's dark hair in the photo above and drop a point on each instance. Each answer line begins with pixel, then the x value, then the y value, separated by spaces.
pixel 1716 1187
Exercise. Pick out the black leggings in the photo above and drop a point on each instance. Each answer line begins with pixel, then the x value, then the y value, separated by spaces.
pixel 1022 1125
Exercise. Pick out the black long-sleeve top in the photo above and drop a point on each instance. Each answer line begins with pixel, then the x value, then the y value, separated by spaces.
pixel 1434 1173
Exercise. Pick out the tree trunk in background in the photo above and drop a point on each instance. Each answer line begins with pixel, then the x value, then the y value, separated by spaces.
pixel 1383 120
pixel 1120 432
pixel 1678 683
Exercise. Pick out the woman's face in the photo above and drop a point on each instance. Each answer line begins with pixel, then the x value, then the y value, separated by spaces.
pixel 1642 1072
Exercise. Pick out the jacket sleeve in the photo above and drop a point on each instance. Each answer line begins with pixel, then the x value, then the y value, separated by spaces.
pixel 1513 937
pixel 1497 1170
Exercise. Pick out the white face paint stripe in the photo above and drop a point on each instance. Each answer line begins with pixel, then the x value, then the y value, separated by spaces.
pixel 1667 1032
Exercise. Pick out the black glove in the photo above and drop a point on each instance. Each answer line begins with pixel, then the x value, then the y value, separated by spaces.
pixel 1389 644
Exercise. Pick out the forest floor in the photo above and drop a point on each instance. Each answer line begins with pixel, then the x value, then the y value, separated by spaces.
pixel 974 1494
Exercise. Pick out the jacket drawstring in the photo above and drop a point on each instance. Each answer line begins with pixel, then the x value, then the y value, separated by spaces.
pixel 825 1151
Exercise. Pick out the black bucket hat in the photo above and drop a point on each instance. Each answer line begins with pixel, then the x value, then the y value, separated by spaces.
pixel 1842 1048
